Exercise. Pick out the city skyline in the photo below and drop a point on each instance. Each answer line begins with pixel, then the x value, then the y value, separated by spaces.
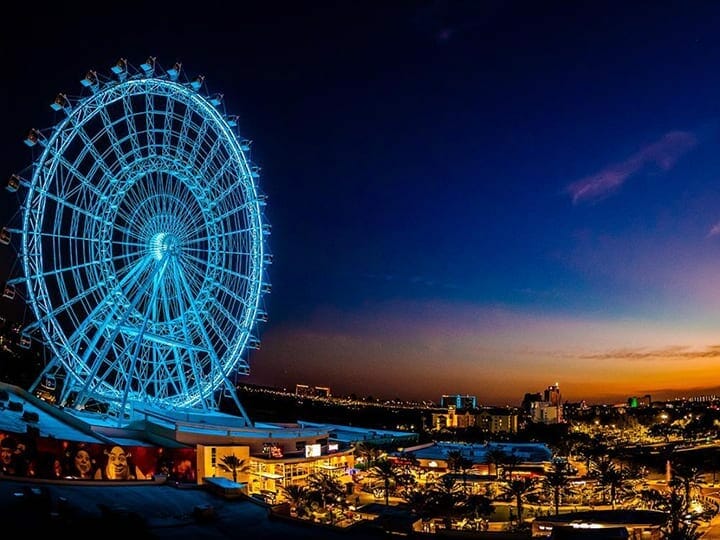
pixel 476 198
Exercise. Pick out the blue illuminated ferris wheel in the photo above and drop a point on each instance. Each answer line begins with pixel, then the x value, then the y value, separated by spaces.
pixel 143 244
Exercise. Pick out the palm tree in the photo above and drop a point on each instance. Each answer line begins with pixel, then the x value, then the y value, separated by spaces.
pixel 689 477
pixel 367 454
pixel 446 495
pixel 611 479
pixel 457 462
pixel 324 487
pixel 453 460
pixel 652 498
pixel 677 528
pixel 557 479
pixel 298 498
pixel 519 489
pixel 496 456
pixel 235 464
pixel 409 462
pixel 477 507
pixel 385 471
pixel 420 502
pixel 593 450
pixel 510 463
pixel 605 471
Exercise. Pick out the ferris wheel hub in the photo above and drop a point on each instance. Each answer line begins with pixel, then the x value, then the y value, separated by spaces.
pixel 164 244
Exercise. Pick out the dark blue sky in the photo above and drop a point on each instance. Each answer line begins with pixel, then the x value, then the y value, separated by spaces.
pixel 480 197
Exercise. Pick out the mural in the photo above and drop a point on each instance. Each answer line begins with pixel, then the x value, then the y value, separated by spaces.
pixel 25 456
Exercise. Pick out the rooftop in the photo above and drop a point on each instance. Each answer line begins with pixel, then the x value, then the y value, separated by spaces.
pixel 526 452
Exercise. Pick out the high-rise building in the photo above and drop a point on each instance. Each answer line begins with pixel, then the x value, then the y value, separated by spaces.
pixel 552 395
pixel 549 409
pixel 459 401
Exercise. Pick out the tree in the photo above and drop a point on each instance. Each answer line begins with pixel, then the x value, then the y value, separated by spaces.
pixel 519 489
pixel 235 465
pixel 609 477
pixel 420 502
pixel 298 498
pixel 323 488
pixel 496 457
pixel 652 499
pixel 457 462
pixel 477 507
pixel 557 480
pixel 453 460
pixel 677 528
pixel 593 450
pixel 385 471
pixel 510 463
pixel 689 477
pixel 446 495
pixel 367 454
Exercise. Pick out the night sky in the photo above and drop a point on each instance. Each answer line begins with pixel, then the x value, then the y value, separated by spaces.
pixel 476 197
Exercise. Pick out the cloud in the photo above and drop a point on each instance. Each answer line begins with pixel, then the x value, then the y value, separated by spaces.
pixel 663 153
pixel 497 352
pixel 672 353
pixel 714 231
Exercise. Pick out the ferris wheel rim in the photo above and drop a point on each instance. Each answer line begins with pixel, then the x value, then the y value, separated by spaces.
pixel 163 245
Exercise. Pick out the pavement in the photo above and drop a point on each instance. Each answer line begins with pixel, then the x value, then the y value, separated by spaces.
pixel 151 510
pixel 144 511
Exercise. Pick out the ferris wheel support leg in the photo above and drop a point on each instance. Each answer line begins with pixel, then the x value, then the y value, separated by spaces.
pixel 244 415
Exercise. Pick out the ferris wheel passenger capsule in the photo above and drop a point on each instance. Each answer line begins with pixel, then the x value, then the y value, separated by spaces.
pixel 32 137
pixel 120 68
pixel 24 341
pixel 148 66
pixel 198 82
pixel 174 72
pixel 9 291
pixel 60 103
pixel 13 183
pixel 90 80
pixel 5 236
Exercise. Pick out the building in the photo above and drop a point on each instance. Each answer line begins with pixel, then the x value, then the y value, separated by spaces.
pixel 490 419
pixel 644 401
pixel 636 524
pixel 459 401
pixel 312 391
pixel 547 411
pixel 189 447
pixel 543 412
pixel 532 459
pixel 498 420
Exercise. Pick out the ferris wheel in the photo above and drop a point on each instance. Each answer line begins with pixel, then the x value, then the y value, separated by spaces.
pixel 143 244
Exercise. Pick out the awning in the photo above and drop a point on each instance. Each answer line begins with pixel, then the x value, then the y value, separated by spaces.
pixel 272 476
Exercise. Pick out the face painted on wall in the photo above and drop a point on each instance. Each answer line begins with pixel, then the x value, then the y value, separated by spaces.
pixel 83 463
pixel 117 465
